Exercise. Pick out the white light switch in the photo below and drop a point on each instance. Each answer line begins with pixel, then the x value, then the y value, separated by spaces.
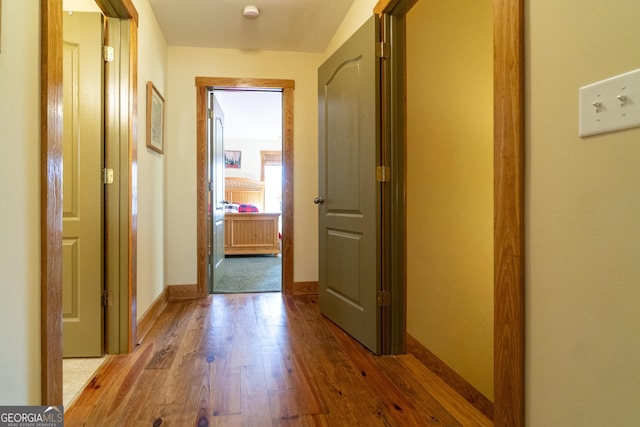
pixel 610 105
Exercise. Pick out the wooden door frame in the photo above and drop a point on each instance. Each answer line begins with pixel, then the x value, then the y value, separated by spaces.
pixel 203 85
pixel 51 190
pixel 509 304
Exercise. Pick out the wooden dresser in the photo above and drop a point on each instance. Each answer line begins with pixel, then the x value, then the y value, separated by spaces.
pixel 251 233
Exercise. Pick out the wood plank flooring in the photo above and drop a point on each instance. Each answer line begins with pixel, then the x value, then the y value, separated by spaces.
pixel 262 360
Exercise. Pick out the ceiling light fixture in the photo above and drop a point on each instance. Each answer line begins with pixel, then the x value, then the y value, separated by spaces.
pixel 250 11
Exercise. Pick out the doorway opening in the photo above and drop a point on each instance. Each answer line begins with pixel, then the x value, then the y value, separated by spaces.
pixel 508 182
pixel 62 288
pixel 449 187
pixel 247 221
pixel 204 87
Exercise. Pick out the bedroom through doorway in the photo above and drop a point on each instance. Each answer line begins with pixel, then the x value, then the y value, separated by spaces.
pixel 252 176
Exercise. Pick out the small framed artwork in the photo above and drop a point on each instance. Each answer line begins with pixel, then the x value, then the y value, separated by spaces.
pixel 155 119
pixel 232 159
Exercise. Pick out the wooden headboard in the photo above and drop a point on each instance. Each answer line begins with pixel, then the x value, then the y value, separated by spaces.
pixel 243 190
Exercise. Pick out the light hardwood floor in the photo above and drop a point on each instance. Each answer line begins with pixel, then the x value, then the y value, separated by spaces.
pixel 262 360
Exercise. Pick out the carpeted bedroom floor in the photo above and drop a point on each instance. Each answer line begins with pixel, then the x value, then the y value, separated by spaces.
pixel 245 274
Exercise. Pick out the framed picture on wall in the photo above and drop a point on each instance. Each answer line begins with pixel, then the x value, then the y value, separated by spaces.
pixel 155 119
pixel 232 159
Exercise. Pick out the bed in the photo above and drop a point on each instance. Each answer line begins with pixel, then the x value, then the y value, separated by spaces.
pixel 249 230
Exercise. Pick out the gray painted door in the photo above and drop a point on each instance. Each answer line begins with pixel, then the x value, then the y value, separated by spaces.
pixel 349 194
pixel 83 316
pixel 216 192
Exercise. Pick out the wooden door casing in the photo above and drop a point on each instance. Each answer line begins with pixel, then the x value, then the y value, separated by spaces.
pixel 203 85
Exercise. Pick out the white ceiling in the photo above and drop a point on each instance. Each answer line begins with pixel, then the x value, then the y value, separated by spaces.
pixel 251 115
pixel 284 25
pixel 292 25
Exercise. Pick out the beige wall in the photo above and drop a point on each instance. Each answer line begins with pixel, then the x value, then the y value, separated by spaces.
pixel 80 6
pixel 20 190
pixel 582 221
pixel 152 66
pixel 450 184
pixel 360 11
pixel 184 65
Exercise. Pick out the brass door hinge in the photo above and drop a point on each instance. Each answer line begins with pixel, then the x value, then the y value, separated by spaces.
pixel 105 298
pixel 383 173
pixel 383 50
pixel 107 53
pixel 383 299
pixel 107 176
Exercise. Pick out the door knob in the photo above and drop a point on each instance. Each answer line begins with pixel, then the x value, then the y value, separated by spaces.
pixel 318 200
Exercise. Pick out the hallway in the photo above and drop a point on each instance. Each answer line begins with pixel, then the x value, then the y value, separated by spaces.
pixel 262 360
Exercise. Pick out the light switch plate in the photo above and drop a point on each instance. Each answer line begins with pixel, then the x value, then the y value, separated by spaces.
pixel 610 105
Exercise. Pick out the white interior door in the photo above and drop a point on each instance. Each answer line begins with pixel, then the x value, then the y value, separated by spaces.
pixel 216 192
